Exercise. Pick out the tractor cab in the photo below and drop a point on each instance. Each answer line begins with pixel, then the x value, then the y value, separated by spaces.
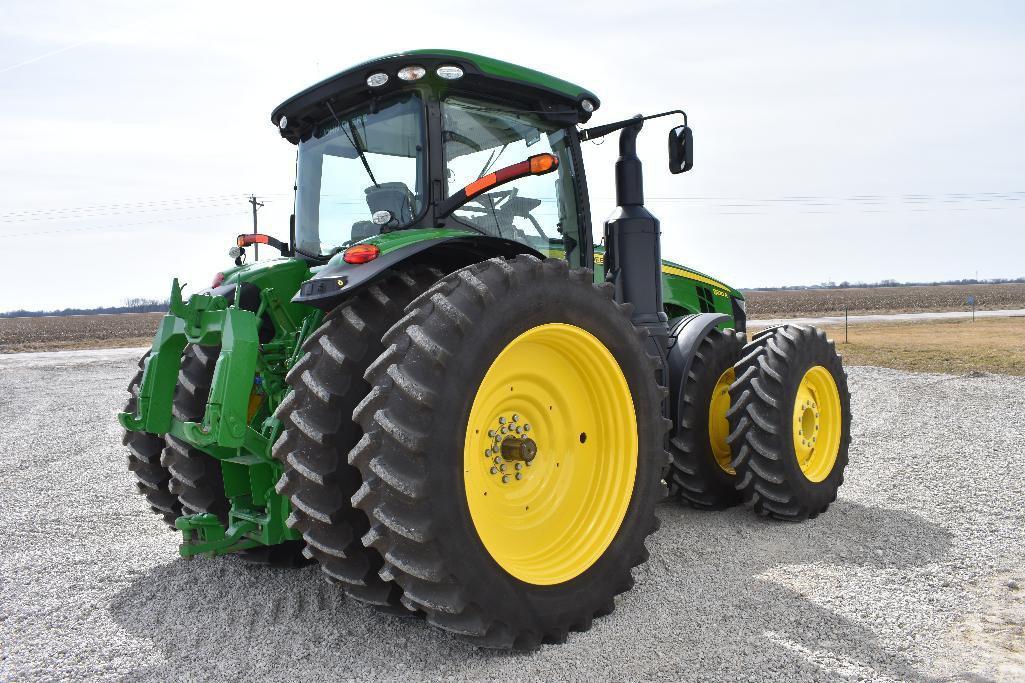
pixel 437 139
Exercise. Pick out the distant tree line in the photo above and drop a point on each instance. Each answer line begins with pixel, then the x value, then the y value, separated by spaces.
pixel 889 283
pixel 136 305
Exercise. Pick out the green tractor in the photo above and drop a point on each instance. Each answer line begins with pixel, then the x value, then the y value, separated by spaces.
pixel 443 392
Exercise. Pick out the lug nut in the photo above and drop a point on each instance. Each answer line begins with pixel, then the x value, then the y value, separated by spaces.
pixel 526 428
pixel 504 430
pixel 494 470
pixel 516 418
pixel 519 475
pixel 501 420
pixel 505 478
pixel 519 465
pixel 491 433
pixel 487 452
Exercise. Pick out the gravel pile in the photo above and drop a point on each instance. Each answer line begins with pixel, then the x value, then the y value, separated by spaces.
pixel 916 572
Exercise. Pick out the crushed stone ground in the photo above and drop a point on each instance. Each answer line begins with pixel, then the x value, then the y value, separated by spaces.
pixel 916 573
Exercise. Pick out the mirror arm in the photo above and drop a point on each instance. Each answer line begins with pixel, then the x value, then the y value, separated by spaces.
pixel 602 131
pixel 539 164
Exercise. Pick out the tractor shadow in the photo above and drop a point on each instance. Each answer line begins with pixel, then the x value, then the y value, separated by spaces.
pixel 725 596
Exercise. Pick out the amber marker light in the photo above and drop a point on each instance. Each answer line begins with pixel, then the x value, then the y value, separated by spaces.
pixel 246 240
pixel 539 164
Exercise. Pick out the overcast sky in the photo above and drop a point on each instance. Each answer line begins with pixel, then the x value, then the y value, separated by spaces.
pixel 834 141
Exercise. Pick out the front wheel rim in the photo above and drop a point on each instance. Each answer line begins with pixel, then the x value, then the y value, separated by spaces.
pixel 547 508
pixel 817 423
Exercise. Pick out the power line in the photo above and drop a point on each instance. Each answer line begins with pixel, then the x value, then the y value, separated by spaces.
pixel 123 226
pixel 127 207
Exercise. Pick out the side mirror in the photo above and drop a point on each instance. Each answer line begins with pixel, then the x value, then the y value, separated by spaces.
pixel 681 149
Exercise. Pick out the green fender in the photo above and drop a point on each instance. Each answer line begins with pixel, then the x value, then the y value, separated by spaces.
pixel 445 249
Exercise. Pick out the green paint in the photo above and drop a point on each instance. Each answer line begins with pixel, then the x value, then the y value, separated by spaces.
pixel 391 241
pixel 247 374
pixel 689 291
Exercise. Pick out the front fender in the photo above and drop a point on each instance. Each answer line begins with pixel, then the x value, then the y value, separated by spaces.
pixel 339 280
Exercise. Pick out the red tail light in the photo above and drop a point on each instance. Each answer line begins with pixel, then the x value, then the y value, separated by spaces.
pixel 218 279
pixel 361 253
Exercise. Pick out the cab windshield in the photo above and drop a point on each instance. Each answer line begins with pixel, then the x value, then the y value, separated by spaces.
pixel 541 211
pixel 356 167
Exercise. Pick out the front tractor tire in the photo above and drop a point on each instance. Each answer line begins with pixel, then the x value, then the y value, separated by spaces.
pixel 790 420
pixel 513 452
pixel 702 474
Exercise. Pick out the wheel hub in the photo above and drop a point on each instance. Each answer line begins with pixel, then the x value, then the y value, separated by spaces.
pixel 511 449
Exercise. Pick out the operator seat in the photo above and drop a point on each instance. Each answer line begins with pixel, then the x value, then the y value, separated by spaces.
pixel 393 197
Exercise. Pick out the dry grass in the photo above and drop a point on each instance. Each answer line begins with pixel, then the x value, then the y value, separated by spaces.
pixel 77 332
pixel 816 302
pixel 950 346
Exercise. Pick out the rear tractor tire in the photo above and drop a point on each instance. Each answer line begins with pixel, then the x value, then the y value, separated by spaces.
pixel 195 476
pixel 513 452
pixel 790 420
pixel 151 478
pixel 327 385
pixel 702 474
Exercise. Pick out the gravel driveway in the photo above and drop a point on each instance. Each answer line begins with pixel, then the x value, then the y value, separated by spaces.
pixel 915 574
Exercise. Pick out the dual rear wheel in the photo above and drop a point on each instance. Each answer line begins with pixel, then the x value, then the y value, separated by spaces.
pixel 509 455
pixel 767 424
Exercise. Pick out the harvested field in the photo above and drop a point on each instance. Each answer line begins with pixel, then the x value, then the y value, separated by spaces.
pixel 58 333
pixel 952 346
pixel 806 302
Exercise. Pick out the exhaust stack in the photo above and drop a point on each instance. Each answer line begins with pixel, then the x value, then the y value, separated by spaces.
pixel 633 252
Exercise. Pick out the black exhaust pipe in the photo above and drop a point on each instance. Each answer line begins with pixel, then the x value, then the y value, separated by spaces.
pixel 633 251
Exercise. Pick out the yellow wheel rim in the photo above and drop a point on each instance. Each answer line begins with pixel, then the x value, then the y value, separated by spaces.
pixel 718 424
pixel 547 519
pixel 817 423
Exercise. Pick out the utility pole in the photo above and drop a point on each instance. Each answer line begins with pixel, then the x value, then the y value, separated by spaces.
pixel 256 206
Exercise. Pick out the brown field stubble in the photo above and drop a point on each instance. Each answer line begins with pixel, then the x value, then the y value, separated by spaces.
pixel 60 333
pixel 816 302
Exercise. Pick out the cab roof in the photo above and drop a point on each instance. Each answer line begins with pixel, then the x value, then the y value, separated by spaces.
pixel 482 75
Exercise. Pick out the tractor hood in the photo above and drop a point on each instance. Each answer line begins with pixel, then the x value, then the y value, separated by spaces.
pixel 479 75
